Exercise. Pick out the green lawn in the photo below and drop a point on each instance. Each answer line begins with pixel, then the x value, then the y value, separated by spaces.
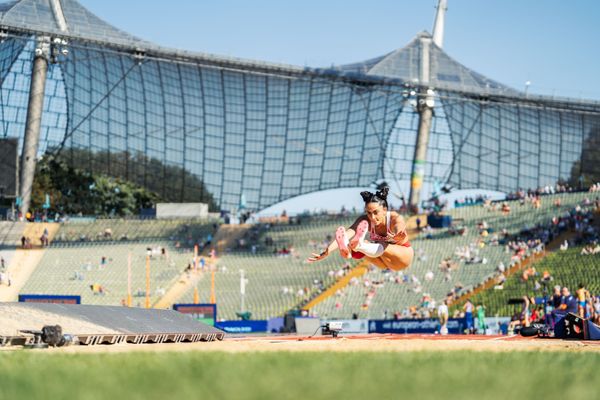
pixel 360 375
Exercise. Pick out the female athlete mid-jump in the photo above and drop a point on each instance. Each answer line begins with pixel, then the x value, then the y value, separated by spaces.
pixel 387 245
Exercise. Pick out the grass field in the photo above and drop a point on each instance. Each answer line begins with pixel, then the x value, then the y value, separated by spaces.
pixel 307 375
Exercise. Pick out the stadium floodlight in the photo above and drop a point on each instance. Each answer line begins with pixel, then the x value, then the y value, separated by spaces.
pixel 139 55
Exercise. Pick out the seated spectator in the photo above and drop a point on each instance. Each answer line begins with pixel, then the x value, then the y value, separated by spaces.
pixel 564 246
pixel 557 203
pixel 590 249
pixel 501 268
pixel 428 232
pixel 98 289
pixel 568 304
pixel 494 240
pixel 429 276
pixel 546 277
pixel 500 279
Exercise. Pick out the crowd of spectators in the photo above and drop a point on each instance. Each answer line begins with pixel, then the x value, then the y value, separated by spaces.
pixel 595 188
pixel 548 309
pixel 529 240
pixel 44 240
pixel 470 201
pixel 521 194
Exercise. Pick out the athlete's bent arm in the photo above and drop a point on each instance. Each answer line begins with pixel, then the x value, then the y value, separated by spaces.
pixel 398 229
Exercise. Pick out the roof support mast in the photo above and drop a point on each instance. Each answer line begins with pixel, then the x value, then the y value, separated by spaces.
pixel 43 55
pixel 425 106
pixel 438 25
pixel 34 120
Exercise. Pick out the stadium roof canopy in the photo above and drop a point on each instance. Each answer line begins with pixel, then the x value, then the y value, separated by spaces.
pixel 271 131
pixel 71 20
pixel 68 19
pixel 404 64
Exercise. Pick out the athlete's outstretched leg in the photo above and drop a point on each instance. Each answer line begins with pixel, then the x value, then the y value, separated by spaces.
pixel 371 249
pixel 358 242
pixel 342 238
pixel 397 257
pixel 378 262
pixel 359 237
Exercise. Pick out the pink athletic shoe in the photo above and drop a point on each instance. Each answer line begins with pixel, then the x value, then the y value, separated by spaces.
pixel 340 238
pixel 361 229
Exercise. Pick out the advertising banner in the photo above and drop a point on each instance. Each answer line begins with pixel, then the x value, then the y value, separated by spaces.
pixel 250 326
pixel 49 298
pixel 431 325
pixel 352 326
pixel 205 313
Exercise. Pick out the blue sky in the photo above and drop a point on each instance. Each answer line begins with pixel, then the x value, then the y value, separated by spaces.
pixel 551 43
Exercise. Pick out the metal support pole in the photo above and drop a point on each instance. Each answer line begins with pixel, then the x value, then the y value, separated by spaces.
pixel 242 290
pixel 34 119
pixel 129 280
pixel 420 158
pixel 438 25
pixel 213 297
pixel 425 109
pixel 147 281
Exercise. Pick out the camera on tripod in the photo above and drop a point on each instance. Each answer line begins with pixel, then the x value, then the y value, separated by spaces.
pixel 49 336
pixel 332 328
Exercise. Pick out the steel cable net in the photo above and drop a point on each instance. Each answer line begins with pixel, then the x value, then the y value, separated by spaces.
pixel 505 147
pixel 14 75
pixel 267 137
pixel 183 128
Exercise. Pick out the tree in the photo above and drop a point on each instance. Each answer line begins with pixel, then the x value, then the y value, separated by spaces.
pixel 74 191
pixel 588 168
pixel 171 183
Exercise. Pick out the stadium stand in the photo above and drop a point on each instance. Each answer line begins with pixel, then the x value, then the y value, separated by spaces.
pixel 10 235
pixel 91 259
pixel 472 257
pixel 182 234
pixel 273 257
pixel 11 232
pixel 563 268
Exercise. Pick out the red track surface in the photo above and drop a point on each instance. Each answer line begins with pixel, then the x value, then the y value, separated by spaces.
pixel 399 337
pixel 380 336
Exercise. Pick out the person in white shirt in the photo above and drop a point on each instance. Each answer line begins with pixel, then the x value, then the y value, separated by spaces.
pixel 443 317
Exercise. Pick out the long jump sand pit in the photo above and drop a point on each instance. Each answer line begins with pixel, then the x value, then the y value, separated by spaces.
pixel 372 342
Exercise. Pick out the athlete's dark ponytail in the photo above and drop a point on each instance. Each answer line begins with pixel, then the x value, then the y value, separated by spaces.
pixel 379 197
